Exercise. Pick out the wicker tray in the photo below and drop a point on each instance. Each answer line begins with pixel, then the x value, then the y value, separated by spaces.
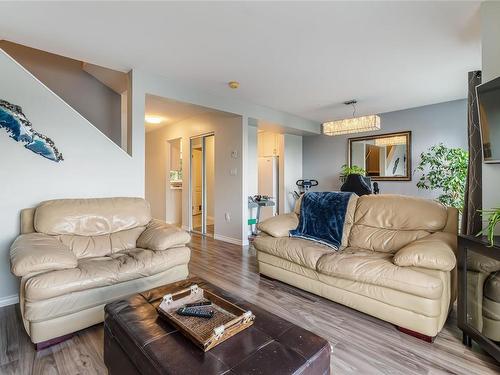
pixel 227 321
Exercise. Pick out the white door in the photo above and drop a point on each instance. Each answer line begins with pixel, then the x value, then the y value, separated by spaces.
pixel 202 184
pixel 196 160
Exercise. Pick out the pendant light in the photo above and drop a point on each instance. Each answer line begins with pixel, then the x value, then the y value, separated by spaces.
pixel 351 125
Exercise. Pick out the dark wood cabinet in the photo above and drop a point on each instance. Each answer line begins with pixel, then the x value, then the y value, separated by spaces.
pixel 479 292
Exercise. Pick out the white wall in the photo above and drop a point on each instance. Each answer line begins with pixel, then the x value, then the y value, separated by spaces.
pixel 95 101
pixel 94 166
pixel 292 164
pixel 252 161
pixel 490 40
pixel 228 188
pixel 443 122
pixel 145 83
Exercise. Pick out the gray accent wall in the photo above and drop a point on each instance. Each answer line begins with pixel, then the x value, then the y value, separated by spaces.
pixel 446 122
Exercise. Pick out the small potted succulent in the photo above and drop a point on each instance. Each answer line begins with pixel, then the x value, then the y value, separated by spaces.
pixel 492 217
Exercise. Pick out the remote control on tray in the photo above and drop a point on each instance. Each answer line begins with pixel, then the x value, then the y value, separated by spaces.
pixel 197 312
pixel 198 304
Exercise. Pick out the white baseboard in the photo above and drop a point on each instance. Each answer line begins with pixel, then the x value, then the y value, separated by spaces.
pixel 235 241
pixel 9 300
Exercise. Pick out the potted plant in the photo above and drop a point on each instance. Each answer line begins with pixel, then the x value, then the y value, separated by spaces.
pixel 444 169
pixel 492 218
pixel 347 170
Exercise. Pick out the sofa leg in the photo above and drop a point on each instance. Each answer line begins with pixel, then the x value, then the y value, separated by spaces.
pixel 418 335
pixel 56 340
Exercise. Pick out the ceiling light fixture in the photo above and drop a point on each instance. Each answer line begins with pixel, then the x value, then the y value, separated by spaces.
pixel 233 84
pixel 351 125
pixel 153 119
pixel 391 141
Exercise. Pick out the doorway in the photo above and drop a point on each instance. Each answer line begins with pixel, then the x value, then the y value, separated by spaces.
pixel 270 172
pixel 202 184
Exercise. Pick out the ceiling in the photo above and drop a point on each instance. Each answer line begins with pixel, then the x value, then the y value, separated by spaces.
pixel 172 111
pixel 304 58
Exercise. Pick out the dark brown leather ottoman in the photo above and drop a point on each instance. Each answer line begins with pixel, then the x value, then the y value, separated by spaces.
pixel 137 341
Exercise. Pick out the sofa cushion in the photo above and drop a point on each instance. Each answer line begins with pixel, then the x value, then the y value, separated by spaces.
pixel 279 226
pixel 389 222
pixel 400 212
pixel 383 240
pixel 38 252
pixel 95 246
pixel 47 309
pixel 102 271
pixel 436 251
pixel 161 236
pixel 377 269
pixel 296 208
pixel 91 217
pixel 481 263
pixel 296 250
pixel 492 287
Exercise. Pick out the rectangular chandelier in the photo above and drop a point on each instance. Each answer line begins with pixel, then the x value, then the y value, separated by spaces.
pixel 391 141
pixel 352 125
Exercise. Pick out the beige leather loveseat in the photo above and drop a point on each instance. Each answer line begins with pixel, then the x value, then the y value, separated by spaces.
pixel 483 295
pixel 76 255
pixel 397 260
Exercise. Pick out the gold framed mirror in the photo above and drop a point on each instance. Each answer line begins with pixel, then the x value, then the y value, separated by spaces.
pixel 384 157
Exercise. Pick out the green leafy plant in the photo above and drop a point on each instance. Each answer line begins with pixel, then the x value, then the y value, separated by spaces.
pixel 492 217
pixel 346 170
pixel 444 169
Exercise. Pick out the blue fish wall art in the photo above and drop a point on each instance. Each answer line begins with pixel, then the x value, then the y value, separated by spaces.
pixel 19 128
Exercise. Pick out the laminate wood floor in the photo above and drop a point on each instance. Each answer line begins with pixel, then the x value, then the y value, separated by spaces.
pixel 360 344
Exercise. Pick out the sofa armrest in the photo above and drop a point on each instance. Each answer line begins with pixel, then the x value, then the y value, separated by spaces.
pixel 279 226
pixel 480 263
pixel 159 235
pixel 436 252
pixel 36 252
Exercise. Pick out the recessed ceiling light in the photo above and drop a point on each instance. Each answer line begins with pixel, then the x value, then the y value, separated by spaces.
pixel 233 84
pixel 153 119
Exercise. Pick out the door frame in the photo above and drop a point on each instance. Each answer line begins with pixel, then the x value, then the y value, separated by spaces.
pixel 203 137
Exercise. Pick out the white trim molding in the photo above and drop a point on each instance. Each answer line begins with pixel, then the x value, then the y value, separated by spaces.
pixel 9 300
pixel 235 241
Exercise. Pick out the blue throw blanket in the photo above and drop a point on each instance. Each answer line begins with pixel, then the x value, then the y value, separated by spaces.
pixel 322 216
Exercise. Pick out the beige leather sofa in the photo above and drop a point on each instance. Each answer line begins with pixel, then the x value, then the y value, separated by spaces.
pixel 397 260
pixel 76 255
pixel 491 307
pixel 483 295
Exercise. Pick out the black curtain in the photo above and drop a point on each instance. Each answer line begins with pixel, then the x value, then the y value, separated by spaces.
pixel 471 218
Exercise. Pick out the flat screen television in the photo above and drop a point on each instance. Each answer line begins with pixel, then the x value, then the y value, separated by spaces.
pixel 488 100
